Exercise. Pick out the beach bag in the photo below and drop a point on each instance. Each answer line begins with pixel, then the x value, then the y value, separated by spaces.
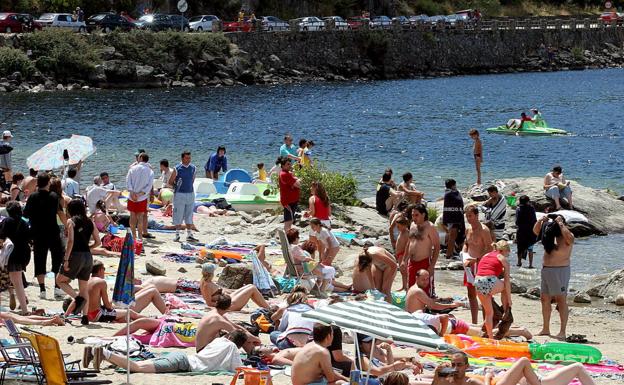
pixel 286 285
pixel 5 252
pixel 262 319
pixel 222 204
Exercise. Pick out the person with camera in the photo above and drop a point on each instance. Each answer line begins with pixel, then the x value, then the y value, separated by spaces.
pixel 557 240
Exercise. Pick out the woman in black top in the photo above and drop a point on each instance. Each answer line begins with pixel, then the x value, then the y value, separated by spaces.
pixel 78 261
pixel 17 230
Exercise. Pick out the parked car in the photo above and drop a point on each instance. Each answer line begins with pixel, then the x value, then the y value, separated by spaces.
pixel 202 23
pixel 237 26
pixel 272 23
pixel 310 23
pixel 383 22
pixel 418 19
pixel 455 20
pixel 11 22
pixel 356 22
pixel 435 22
pixel 108 22
pixel 61 20
pixel 402 20
pixel 611 17
pixel 160 22
pixel 339 23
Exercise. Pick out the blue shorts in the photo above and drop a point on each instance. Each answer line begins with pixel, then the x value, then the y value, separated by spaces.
pixel 183 204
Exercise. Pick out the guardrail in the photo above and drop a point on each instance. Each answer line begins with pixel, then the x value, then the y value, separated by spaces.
pixel 495 24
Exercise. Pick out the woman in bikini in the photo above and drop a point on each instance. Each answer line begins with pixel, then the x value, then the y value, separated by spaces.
pixel 487 282
pixel 101 219
pixel 17 188
pixel 240 297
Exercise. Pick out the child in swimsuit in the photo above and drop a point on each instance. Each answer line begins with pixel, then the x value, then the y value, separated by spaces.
pixel 401 244
pixel 101 219
pixel 477 151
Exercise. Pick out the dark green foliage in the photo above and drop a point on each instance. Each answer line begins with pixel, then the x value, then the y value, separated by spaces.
pixel 64 53
pixel 341 188
pixel 12 60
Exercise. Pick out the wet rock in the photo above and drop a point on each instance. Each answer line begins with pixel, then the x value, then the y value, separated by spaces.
pixel 582 298
pixel 38 88
pixel 144 73
pixel 517 288
pixel 619 300
pixel 228 82
pixel 236 276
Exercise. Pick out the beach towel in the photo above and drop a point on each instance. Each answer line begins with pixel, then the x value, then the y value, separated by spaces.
pixel 171 334
pixel 261 277
pixel 180 258
pixel 175 302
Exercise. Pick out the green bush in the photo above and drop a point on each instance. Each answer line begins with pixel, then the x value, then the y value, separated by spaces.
pixel 12 60
pixel 62 52
pixel 432 213
pixel 157 48
pixel 341 188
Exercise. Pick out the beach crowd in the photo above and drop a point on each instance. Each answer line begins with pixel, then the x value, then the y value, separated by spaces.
pixel 48 216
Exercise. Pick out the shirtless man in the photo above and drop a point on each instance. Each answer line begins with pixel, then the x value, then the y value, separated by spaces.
pixel 417 298
pixel 407 187
pixel 100 308
pixel 312 364
pixel 400 246
pixel 30 183
pixel 423 248
pixel 557 240
pixel 383 269
pixel 240 297
pixel 478 243
pixel 214 322
pixel 280 357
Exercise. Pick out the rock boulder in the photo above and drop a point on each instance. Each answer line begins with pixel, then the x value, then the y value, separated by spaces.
pixel 236 276
pixel 604 211
pixel 607 285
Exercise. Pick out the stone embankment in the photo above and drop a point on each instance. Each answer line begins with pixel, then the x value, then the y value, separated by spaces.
pixel 284 57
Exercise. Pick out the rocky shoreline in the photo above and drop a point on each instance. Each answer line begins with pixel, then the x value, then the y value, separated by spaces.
pixel 246 59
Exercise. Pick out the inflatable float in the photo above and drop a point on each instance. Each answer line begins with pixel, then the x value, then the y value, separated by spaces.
pixel 550 351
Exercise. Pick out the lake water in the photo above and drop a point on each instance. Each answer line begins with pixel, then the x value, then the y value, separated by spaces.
pixel 361 127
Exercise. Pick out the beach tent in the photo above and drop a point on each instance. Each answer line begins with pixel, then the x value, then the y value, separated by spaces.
pixel 381 320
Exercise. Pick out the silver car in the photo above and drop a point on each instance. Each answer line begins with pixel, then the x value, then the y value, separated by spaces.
pixel 202 23
pixel 61 20
pixel 339 23
pixel 272 23
pixel 380 22
pixel 310 23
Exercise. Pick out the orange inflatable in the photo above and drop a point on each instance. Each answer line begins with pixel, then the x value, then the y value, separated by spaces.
pixel 485 347
pixel 218 254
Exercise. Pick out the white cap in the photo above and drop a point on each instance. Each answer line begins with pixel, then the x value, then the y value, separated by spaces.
pixel 7 134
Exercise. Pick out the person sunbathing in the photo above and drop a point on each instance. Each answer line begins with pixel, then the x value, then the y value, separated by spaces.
pixel 100 308
pixel 220 354
pixel 383 360
pixel 54 320
pixel 162 332
pixel 168 285
pixel 521 372
pixel 275 356
pixel 240 297
pixel 444 324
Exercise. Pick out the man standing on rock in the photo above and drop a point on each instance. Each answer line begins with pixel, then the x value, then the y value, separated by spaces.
pixel 423 248
pixel 478 243
pixel 182 179
pixel 140 180
pixel 290 187
pixel 557 240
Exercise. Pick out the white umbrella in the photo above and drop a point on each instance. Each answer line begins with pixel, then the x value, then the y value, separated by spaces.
pixel 50 156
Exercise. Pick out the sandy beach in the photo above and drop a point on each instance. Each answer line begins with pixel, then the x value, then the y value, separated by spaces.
pixel 602 325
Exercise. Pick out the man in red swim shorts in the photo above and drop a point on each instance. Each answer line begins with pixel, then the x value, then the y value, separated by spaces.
pixel 140 180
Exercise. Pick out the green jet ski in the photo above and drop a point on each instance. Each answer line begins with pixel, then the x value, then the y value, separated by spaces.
pixel 528 128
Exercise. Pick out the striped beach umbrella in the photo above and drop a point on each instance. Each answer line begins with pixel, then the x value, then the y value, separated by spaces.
pixel 379 319
pixel 123 293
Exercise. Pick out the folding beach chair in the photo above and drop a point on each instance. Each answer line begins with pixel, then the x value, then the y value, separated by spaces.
pixel 20 356
pixel 53 366
pixel 291 270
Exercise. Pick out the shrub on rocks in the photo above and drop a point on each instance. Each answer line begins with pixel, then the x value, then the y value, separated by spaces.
pixel 14 60
pixel 341 188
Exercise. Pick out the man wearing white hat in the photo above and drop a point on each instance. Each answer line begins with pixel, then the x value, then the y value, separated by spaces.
pixel 5 159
